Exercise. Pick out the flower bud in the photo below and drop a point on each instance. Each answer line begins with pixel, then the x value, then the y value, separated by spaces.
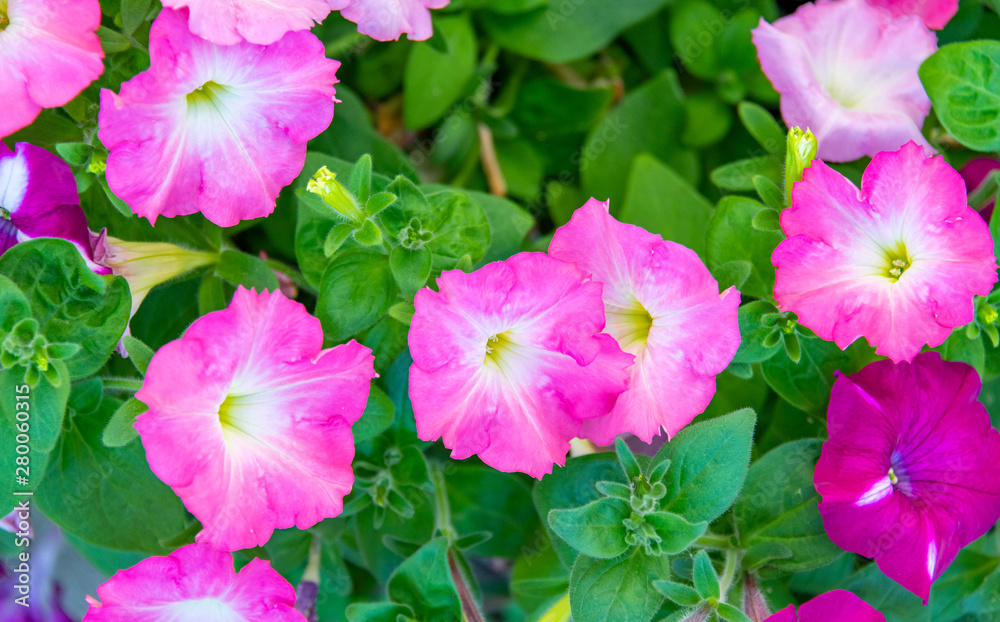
pixel 800 152
pixel 324 183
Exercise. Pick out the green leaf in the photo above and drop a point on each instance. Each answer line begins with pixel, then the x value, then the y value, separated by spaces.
pixel 572 486
pixel 608 153
pixel 106 496
pixel 678 592
pixel 732 614
pixel 508 222
pixel 119 431
pixel 769 193
pixel 563 32
pixel 112 42
pixel 706 581
pixel 596 529
pixel 368 235
pixel 627 459
pixel 410 268
pixel 546 105
pixel 360 182
pixel 76 154
pixel 968 585
pixel 661 201
pixel 506 512
pixel 753 333
pixel 134 13
pixel 434 80
pixel 212 295
pixel 676 534
pixel 69 301
pixel 708 120
pixel 731 237
pixel 766 219
pixel 708 465
pixel 424 583
pixel 357 289
pixel 43 412
pixel 377 417
pixel 963 82
pixel 139 353
pixel 762 126
pixel 617 589
pixel 246 270
pixel 378 612
pixel 739 175
pixel 806 384
pixel 336 238
pixel 778 505
pixel 765 552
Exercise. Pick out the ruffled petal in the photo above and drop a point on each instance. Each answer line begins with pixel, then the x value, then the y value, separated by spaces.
pixel 386 20
pixel 228 22
pixel 935 13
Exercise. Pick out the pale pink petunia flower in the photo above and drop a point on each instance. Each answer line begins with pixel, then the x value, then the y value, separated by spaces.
pixel 910 473
pixel 249 419
pixel 509 360
pixel 664 307
pixel 194 583
pixel 897 262
pixel 227 22
pixel 49 52
pixel 386 20
pixel 935 13
pixel 848 71
pixel 211 128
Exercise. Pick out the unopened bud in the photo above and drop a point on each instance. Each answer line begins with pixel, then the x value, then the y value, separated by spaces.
pixel 324 184
pixel 800 152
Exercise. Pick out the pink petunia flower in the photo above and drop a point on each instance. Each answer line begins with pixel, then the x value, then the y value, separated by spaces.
pixel 848 71
pixel 49 52
pixel 195 582
pixel 386 20
pixel 935 13
pixel 664 307
pixel 228 22
pixel 835 606
pixel 897 262
pixel 211 128
pixel 909 475
pixel 249 419
pixel 509 360
pixel 38 199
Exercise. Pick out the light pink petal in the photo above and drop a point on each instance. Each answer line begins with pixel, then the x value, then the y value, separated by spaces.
pixel 693 333
pixel 228 22
pixel 195 582
pixel 935 13
pixel 215 129
pixel 49 52
pixel 848 71
pixel 386 20
pixel 270 412
pixel 508 360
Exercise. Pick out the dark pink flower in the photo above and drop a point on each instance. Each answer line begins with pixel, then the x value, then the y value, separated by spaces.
pixel 835 606
pixel 935 13
pixel 910 474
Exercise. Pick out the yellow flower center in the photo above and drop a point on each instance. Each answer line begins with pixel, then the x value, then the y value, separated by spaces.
pixel 892 477
pixel 4 20
pixel 629 325
pixel 205 94
pixel 897 261
pixel 496 346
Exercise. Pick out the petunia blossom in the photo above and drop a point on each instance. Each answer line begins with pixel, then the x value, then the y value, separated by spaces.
pixel 935 13
pixel 509 360
pixel 195 582
pixel 249 419
pixel 909 475
pixel 897 262
pixel 835 606
pixel 848 71
pixel 386 20
pixel 38 199
pixel 663 307
pixel 228 22
pixel 212 128
pixel 49 52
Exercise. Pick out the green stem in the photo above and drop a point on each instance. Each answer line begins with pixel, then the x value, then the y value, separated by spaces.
pixel 728 572
pixel 125 385
pixel 442 509
pixel 713 541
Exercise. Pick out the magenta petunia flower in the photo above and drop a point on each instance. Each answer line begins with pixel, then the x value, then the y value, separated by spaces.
pixel 909 475
pixel 249 419
pixel 935 13
pixel 664 307
pixel 211 128
pixel 510 359
pixel 195 582
pixel 835 606
pixel 897 262
pixel 386 20
pixel 49 52
pixel 848 71
pixel 228 22
pixel 38 199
